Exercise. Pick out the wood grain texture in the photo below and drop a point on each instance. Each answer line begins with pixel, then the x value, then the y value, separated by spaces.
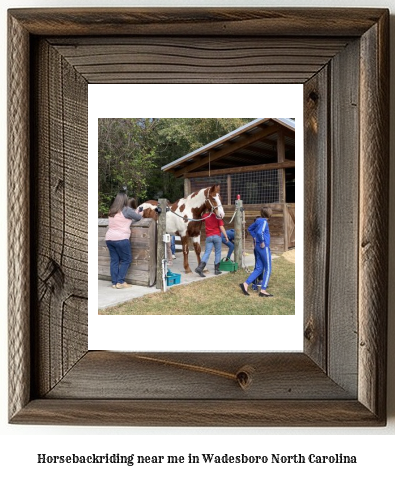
pixel 342 248
pixel 373 227
pixel 60 199
pixel 316 213
pixel 201 413
pixel 18 231
pixel 192 59
pixel 196 376
pixel 261 22
pixel 313 388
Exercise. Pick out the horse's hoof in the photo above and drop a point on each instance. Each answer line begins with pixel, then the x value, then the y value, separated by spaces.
pixel 188 271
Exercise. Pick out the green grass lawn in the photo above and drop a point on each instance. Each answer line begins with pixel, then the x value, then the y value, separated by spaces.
pixel 220 295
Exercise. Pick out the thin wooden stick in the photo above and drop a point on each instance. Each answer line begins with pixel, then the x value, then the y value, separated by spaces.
pixel 243 376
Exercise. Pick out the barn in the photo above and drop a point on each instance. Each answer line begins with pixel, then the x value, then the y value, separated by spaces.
pixel 255 161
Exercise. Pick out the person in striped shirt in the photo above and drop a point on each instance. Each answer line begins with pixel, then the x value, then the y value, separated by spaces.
pixel 120 218
pixel 260 233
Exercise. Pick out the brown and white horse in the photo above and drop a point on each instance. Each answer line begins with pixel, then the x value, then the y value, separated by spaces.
pixel 184 217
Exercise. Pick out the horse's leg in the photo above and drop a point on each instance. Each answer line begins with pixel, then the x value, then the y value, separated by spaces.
pixel 198 249
pixel 185 251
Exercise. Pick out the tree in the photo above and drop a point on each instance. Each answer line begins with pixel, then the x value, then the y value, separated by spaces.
pixel 177 137
pixel 133 151
pixel 126 156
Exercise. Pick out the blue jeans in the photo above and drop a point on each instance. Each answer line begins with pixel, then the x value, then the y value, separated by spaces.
pixel 120 260
pixel 213 241
pixel 173 245
pixel 230 245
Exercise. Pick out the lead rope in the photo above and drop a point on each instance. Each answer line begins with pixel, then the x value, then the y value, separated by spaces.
pixel 243 243
pixel 203 219
pixel 186 219
pixel 234 214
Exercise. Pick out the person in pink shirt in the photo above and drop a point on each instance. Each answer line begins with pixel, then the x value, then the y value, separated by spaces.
pixel 120 218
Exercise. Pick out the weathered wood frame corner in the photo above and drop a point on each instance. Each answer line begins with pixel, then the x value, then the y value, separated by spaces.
pixel 342 58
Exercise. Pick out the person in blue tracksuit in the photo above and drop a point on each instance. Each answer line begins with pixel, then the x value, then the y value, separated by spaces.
pixel 258 281
pixel 260 233
pixel 230 242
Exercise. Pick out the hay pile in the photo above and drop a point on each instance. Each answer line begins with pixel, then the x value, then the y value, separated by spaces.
pixel 289 255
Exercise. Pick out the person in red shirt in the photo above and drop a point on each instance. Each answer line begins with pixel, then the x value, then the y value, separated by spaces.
pixel 214 227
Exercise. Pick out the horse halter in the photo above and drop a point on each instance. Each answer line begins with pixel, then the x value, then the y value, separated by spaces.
pixel 213 208
pixel 186 219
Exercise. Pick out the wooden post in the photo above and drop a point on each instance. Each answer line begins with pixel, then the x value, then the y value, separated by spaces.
pixel 238 232
pixel 187 187
pixel 281 159
pixel 283 186
pixel 286 226
pixel 229 189
pixel 160 254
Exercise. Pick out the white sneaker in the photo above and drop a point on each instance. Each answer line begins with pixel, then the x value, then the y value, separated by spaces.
pixel 174 257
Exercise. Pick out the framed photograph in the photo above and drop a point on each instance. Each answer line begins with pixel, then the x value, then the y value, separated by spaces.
pixel 240 160
pixel 341 57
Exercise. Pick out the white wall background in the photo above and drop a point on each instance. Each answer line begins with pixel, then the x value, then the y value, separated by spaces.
pixel 20 444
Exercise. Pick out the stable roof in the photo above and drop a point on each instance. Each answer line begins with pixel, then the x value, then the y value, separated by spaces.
pixel 252 144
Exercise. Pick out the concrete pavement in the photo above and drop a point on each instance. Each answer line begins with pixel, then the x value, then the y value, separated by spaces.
pixel 108 297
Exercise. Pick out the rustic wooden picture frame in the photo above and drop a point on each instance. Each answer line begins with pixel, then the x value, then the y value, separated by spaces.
pixel 342 58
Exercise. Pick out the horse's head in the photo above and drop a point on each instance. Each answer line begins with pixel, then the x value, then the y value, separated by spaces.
pixel 213 201
pixel 149 209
